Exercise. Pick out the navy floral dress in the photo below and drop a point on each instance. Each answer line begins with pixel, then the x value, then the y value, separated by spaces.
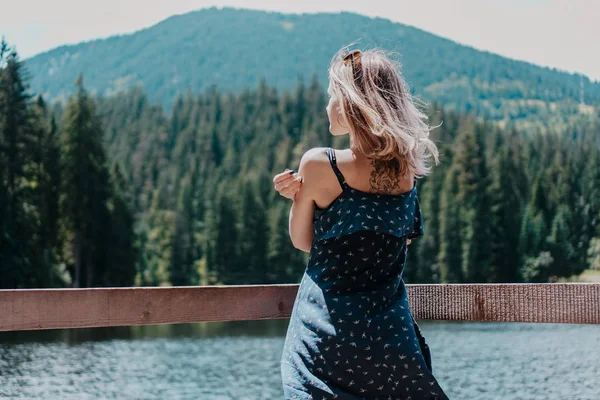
pixel 351 334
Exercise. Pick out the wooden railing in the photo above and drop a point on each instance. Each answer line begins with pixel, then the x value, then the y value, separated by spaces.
pixel 30 309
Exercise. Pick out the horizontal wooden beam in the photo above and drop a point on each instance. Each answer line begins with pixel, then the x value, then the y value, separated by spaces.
pixel 30 309
pixel 566 303
pixel 27 309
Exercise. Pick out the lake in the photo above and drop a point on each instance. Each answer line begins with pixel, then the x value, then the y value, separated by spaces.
pixel 240 360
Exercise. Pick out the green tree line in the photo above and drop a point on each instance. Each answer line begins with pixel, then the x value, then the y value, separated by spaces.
pixel 64 216
pixel 116 191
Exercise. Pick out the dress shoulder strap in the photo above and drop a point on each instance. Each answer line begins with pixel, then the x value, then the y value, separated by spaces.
pixel 336 170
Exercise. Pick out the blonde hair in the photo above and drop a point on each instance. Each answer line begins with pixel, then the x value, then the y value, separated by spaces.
pixel 387 126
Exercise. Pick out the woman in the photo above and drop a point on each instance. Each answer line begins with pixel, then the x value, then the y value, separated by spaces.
pixel 351 334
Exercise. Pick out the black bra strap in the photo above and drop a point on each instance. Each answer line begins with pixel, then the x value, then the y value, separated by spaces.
pixel 338 173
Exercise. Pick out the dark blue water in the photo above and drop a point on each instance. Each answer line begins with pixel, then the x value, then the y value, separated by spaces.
pixel 240 360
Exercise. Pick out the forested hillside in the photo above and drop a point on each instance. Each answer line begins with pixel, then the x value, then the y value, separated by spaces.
pixel 234 49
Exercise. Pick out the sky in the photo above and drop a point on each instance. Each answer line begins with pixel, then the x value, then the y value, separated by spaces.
pixel 557 33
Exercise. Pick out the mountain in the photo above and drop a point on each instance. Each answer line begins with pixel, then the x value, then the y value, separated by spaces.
pixel 236 48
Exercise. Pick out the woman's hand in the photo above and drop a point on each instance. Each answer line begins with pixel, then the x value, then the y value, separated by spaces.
pixel 288 183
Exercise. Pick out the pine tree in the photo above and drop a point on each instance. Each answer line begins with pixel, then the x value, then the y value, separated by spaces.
pixel 592 189
pixel 505 220
pixel 119 241
pixel 184 252
pixel 451 254
pixel 428 246
pixel 16 133
pixel 538 205
pixel 50 186
pixel 254 235
pixel 561 248
pixel 86 186
pixel 579 228
pixel 472 180
pixel 224 259
pixel 45 192
pixel 533 248
pixel 18 266
pixel 592 193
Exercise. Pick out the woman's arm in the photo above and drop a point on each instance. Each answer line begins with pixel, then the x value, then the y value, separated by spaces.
pixel 303 206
